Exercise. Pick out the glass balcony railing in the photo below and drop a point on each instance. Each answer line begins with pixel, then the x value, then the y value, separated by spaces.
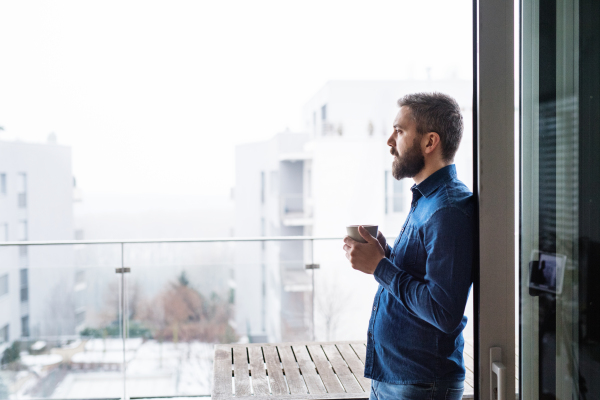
pixel 112 319
pixel 138 319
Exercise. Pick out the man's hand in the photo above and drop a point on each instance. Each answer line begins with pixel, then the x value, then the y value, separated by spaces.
pixel 364 256
pixel 382 240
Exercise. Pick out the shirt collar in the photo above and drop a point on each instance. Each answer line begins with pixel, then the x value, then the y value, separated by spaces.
pixel 435 180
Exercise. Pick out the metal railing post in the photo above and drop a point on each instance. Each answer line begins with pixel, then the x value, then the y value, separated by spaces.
pixel 124 320
pixel 312 261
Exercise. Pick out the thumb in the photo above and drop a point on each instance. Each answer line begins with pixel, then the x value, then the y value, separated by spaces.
pixel 366 235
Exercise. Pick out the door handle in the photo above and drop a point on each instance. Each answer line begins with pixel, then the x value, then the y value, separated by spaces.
pixel 496 367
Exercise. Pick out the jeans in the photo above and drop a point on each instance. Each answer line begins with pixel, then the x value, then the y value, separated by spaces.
pixel 440 390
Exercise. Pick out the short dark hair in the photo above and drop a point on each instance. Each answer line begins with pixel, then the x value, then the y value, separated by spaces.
pixel 437 112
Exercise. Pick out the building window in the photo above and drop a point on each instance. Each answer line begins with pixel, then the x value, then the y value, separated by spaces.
pixel 25 326
pixel 263 231
pixel 398 194
pixel 324 112
pixel 4 232
pixel 3 183
pixel 24 285
pixel 22 189
pixel 395 193
pixel 4 334
pixel 386 179
pixel 22 233
pixel 3 284
pixel 262 187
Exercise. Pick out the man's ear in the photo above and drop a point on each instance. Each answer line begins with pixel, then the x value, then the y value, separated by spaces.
pixel 431 141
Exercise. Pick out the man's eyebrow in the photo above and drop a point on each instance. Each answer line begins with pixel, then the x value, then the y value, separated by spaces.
pixel 398 126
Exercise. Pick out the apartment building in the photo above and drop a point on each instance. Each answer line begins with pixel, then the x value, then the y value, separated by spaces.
pixel 36 196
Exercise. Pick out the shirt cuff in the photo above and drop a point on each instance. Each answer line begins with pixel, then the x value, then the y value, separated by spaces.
pixel 388 251
pixel 385 272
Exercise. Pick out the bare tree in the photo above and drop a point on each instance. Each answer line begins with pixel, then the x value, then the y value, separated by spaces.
pixel 180 312
pixel 331 299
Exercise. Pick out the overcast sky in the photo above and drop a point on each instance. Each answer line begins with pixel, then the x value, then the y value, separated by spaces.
pixel 153 96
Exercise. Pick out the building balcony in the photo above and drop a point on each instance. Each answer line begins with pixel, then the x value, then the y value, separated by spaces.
pixel 22 200
pixel 295 210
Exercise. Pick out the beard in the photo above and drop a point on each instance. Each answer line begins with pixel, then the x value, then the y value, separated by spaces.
pixel 410 164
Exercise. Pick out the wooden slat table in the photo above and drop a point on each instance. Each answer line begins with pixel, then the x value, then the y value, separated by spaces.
pixel 331 370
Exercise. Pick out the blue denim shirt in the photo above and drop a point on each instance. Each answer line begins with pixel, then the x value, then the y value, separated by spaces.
pixel 415 331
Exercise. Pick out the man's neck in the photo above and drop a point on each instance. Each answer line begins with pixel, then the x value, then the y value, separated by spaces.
pixel 429 169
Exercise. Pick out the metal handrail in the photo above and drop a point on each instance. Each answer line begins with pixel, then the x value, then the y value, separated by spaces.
pixel 189 240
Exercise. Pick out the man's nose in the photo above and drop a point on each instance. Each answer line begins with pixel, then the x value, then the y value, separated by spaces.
pixel 390 141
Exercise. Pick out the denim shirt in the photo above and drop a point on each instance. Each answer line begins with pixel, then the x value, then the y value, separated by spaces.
pixel 415 331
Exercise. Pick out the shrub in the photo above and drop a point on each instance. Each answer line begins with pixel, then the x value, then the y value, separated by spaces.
pixel 12 353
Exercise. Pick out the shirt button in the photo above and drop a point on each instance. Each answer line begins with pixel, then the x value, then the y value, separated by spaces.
pixel 375 308
pixel 401 230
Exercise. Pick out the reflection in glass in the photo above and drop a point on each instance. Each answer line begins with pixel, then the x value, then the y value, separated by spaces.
pixel 560 202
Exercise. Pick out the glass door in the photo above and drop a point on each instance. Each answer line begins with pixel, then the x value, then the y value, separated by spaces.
pixel 560 200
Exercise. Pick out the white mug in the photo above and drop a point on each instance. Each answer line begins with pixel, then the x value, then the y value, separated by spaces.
pixel 352 231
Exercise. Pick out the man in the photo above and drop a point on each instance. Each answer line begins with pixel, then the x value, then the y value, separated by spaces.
pixel 415 343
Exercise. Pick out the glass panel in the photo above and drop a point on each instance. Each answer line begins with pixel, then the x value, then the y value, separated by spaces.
pixel 560 200
pixel 178 305
pixel 60 333
pixel 343 297
pixel 184 297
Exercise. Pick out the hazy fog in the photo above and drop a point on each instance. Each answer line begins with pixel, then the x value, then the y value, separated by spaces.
pixel 153 96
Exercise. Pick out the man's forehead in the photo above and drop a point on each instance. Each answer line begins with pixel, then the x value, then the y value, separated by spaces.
pixel 403 118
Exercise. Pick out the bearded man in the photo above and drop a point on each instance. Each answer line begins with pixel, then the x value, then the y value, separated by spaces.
pixel 415 343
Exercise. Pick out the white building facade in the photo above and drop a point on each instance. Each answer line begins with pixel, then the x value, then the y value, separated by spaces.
pixel 36 201
pixel 270 201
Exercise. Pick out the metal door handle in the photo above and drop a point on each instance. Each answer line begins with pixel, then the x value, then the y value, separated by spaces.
pixel 496 367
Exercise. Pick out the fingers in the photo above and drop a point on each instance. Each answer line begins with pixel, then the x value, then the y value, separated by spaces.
pixel 366 235
pixel 381 239
pixel 348 240
pixel 363 256
pixel 348 251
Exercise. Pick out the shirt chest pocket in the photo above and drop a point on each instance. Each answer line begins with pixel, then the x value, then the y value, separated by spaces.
pixel 408 247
